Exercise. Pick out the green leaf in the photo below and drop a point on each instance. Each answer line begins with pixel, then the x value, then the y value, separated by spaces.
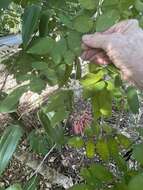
pixel 78 70
pixel 105 100
pixel 14 187
pixel 37 85
pixel 138 153
pixel 44 24
pixel 39 142
pixel 30 22
pixel 40 65
pixel 123 141
pixel 118 81
pixel 42 46
pixel 133 100
pixel 120 186
pixel 65 19
pixel 113 147
pixel 101 173
pixel 8 144
pixel 4 3
pixel 139 5
pixel 74 42
pixel 55 134
pixel 59 116
pixel 106 20
pixel 91 79
pixel 45 121
pixel 90 149
pixel 102 149
pixel 31 184
pixel 88 4
pixel 9 104
pixel 80 187
pixel 96 106
pixel 136 183
pixel 83 23
pixel 69 57
pixel 76 142
pixel 59 50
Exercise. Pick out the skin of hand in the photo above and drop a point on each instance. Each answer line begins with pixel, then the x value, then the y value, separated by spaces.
pixel 122 44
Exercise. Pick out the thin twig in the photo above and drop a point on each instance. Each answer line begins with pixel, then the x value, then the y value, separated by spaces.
pixel 40 165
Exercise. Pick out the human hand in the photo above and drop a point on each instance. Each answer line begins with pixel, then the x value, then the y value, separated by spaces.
pixel 122 45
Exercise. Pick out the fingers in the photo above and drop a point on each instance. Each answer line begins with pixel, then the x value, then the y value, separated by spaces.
pixel 97 56
pixel 123 27
pixel 87 54
pixel 96 40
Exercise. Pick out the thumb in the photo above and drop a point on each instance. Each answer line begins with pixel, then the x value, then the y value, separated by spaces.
pixel 97 40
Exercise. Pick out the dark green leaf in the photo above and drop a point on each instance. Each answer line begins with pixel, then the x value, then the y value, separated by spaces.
pixel 83 23
pixel 106 20
pixel 133 100
pixel 88 4
pixel 8 144
pixel 4 3
pixel 42 46
pixel 9 104
pixel 136 182
pixel 138 153
pixel 30 22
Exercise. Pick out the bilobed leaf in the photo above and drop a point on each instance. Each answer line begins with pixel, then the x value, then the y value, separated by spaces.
pixel 76 142
pixel 138 153
pixel 83 23
pixel 88 4
pixel 133 100
pixel 30 22
pixel 106 20
pixel 136 183
pixel 42 46
pixel 14 187
pixel 9 104
pixel 8 144
pixel 102 149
